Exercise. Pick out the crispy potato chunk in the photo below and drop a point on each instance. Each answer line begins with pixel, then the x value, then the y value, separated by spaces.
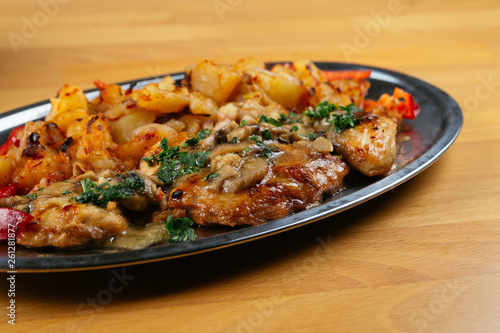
pixel 280 87
pixel 143 138
pixel 215 81
pixel 202 105
pixel 70 105
pixel 122 129
pixel 153 98
pixel 6 169
pixel 91 146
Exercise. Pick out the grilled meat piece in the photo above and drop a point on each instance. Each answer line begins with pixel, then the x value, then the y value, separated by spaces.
pixel 260 191
pixel 369 147
pixel 61 221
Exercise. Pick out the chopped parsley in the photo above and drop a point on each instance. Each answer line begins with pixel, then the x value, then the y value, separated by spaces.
pixel 174 163
pixel 269 120
pixel 340 121
pixel 322 110
pixel 243 122
pixel 266 135
pixel 267 151
pixel 194 140
pixel 34 196
pixel 294 129
pixel 66 193
pixel 100 195
pixel 292 118
pixel 345 120
pixel 309 136
pixel 180 229
pixel 246 150
pixel 211 175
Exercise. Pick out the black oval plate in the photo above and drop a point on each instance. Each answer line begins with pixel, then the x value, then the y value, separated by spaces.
pixel 431 135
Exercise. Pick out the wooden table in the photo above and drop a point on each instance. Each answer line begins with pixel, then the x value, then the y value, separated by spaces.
pixel 423 258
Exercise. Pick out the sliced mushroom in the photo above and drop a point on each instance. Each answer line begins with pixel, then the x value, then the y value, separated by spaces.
pixel 321 144
pixel 227 171
pixel 142 200
pixel 243 132
pixel 229 148
pixel 218 135
pixel 251 172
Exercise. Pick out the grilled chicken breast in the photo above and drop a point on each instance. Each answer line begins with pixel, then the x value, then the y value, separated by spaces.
pixel 259 190
pixel 370 146
pixel 61 221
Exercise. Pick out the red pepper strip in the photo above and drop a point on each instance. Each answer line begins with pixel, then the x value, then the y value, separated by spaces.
pixel 11 141
pixel 345 75
pixel 9 190
pixel 99 84
pixel 12 222
pixel 409 109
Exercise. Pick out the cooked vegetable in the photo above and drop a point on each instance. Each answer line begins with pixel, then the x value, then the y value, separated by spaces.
pixel 343 121
pixel 9 190
pixel 194 140
pixel 180 229
pixel 101 194
pixel 12 222
pixel 174 163
pixel 346 74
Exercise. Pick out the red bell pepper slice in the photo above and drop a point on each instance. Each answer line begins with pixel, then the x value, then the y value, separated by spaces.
pixel 12 222
pixel 345 75
pixel 99 84
pixel 409 109
pixel 9 190
pixel 11 141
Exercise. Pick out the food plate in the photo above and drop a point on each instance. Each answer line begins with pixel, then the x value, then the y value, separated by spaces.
pixel 430 135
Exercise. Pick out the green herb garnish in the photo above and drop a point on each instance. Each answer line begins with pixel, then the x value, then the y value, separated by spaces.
pixel 180 229
pixel 292 118
pixel 322 110
pixel 267 151
pixel 211 175
pixel 243 122
pixel 346 120
pixel 294 129
pixel 194 140
pixel 174 163
pixel 269 120
pixel 101 194
pixel 266 135
pixel 340 121
pixel 66 193
pixel 309 136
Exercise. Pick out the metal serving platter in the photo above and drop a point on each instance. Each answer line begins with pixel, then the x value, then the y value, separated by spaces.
pixel 430 135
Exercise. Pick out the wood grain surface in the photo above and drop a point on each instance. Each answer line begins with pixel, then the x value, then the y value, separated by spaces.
pixel 424 257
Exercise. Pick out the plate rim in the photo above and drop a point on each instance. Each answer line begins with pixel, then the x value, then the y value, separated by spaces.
pixel 92 261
